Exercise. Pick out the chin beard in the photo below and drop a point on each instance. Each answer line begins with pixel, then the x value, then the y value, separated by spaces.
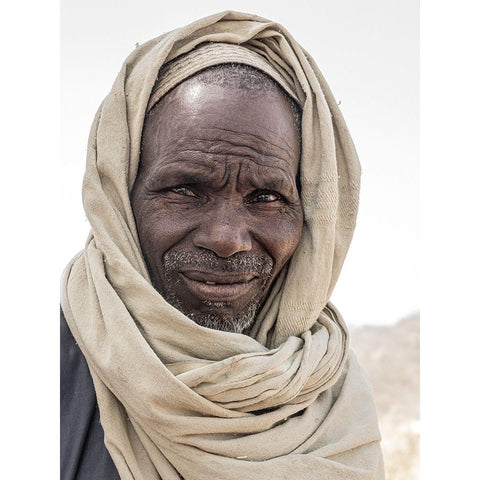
pixel 236 323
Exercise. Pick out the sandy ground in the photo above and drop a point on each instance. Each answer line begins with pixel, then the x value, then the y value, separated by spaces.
pixel 391 357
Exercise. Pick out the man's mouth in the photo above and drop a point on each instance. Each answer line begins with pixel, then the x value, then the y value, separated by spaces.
pixel 218 286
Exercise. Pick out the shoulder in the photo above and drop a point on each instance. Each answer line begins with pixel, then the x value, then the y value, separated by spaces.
pixel 83 454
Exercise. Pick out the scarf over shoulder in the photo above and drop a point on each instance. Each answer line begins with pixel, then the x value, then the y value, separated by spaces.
pixel 178 400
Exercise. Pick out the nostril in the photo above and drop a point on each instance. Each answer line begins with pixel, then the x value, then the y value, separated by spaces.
pixel 224 239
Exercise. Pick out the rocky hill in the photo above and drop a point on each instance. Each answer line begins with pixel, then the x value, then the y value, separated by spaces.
pixel 391 356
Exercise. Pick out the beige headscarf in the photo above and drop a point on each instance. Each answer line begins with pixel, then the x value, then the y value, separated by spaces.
pixel 179 400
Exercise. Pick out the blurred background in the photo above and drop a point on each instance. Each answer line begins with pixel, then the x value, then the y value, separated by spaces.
pixel 369 53
pixel 391 356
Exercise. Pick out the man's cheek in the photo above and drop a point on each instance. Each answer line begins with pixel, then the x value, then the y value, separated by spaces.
pixel 282 238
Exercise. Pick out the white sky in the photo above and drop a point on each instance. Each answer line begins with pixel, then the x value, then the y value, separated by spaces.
pixel 369 53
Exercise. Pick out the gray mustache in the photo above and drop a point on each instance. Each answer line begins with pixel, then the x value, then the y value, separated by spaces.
pixel 207 261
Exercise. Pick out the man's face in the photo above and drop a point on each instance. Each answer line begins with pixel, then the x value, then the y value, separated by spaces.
pixel 215 200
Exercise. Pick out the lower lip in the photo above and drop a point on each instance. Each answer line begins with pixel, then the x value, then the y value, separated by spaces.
pixel 218 292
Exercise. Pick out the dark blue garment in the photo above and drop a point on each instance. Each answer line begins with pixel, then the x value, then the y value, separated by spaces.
pixel 83 455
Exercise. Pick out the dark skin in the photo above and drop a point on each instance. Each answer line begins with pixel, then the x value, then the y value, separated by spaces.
pixel 216 204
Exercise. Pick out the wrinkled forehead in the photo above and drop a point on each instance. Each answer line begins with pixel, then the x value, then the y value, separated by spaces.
pixel 221 121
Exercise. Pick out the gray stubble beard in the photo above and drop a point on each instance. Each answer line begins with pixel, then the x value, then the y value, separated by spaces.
pixel 259 265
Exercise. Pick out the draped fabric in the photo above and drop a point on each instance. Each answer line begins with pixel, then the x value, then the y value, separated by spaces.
pixel 178 400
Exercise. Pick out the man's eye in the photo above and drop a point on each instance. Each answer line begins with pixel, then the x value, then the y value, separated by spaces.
pixel 183 191
pixel 266 197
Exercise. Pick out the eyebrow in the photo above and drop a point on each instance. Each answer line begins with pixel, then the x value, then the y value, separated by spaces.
pixel 202 172
pixel 279 183
pixel 185 173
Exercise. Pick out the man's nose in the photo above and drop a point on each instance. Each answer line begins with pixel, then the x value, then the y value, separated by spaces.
pixel 224 232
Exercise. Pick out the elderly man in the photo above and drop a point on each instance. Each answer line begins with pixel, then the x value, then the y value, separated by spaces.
pixel 221 187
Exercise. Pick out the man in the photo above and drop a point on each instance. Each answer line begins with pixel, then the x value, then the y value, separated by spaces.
pixel 221 187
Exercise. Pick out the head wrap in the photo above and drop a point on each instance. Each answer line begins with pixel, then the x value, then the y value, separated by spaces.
pixel 178 400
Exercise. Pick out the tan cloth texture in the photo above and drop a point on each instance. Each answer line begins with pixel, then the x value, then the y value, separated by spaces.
pixel 178 400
